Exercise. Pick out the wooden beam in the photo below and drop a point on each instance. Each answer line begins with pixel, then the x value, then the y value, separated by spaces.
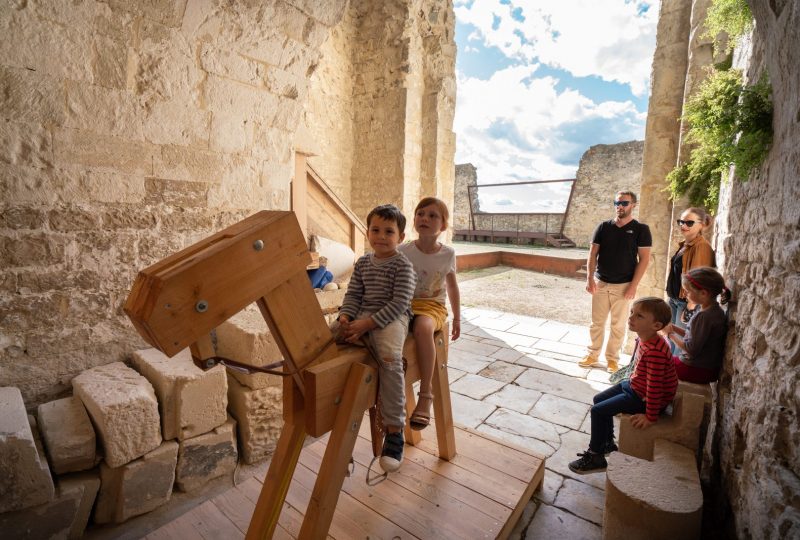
pixel 175 301
pixel 359 394
pixel 276 483
pixel 325 386
pixel 300 192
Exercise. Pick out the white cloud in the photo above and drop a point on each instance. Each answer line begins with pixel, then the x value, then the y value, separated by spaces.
pixel 515 126
pixel 611 39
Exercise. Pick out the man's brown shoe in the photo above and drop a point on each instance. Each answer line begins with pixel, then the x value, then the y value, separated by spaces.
pixel 612 367
pixel 588 361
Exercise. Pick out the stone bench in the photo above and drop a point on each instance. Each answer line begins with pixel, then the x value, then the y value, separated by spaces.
pixel 682 427
pixel 653 500
pixel 707 392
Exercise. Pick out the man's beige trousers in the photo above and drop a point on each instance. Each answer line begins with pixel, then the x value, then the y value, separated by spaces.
pixel 608 298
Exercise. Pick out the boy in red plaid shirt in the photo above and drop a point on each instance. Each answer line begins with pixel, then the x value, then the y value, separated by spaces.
pixel 651 387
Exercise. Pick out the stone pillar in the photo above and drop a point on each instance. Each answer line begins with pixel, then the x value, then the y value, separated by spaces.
pixel 701 56
pixel 662 135
pixel 404 104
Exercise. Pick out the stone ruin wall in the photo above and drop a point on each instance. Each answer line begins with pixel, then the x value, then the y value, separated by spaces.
pixel 753 450
pixel 519 222
pixel 604 170
pixel 465 175
pixel 133 130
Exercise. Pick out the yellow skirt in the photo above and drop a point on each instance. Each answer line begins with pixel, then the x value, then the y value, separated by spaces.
pixel 431 309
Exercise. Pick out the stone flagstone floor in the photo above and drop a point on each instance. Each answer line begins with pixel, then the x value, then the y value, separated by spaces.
pixel 517 378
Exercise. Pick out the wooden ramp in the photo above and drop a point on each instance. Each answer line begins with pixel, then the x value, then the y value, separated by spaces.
pixel 479 494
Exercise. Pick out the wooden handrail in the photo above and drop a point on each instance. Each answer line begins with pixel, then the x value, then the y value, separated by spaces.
pixel 343 208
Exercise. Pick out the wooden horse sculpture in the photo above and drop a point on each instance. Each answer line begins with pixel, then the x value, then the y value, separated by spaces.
pixel 175 303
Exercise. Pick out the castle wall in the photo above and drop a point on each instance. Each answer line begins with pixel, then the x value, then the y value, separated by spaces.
pixel 755 430
pixel 604 170
pixel 329 114
pixel 401 107
pixel 131 130
pixel 753 448
pixel 465 175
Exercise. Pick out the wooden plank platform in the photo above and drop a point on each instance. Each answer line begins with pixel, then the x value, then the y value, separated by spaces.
pixel 480 493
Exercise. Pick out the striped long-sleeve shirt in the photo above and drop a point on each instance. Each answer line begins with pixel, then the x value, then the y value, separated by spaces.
pixel 384 287
pixel 654 378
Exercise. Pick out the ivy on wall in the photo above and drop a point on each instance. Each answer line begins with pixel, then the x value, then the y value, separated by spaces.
pixel 729 123
pixel 728 20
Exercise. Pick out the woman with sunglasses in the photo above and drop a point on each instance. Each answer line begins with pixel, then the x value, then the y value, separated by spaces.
pixel 694 251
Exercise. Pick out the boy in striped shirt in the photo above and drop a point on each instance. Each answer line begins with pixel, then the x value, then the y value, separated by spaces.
pixel 650 389
pixel 377 306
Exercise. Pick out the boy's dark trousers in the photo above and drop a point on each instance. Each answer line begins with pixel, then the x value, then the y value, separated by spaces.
pixel 620 398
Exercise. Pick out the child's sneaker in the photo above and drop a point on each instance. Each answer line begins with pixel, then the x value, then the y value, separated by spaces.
pixel 392 455
pixel 589 463
pixel 610 447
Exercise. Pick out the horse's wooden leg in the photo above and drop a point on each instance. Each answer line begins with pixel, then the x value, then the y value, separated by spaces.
pixel 276 484
pixel 359 394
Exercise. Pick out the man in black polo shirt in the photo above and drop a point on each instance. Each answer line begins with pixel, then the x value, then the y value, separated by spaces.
pixel 618 258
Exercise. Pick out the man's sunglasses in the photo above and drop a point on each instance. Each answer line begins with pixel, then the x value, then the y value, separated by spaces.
pixel 622 203
pixel 687 222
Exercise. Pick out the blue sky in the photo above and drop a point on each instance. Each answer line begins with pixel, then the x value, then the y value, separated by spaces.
pixel 540 81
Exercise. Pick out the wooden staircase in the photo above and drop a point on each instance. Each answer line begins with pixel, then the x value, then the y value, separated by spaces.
pixel 320 211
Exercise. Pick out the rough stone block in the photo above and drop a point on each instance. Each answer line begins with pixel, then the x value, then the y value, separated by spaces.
pixel 683 427
pixel 136 487
pixel 25 479
pixel 85 485
pixel 51 520
pixel 246 338
pixel 206 457
pixel 658 499
pixel 68 435
pixel 124 411
pixel 191 401
pixel 260 419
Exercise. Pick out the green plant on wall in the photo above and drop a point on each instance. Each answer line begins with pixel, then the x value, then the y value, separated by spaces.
pixel 728 20
pixel 729 123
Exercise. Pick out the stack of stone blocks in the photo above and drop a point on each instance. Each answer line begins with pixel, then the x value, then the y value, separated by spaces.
pixel 256 400
pixel 653 483
pixel 116 448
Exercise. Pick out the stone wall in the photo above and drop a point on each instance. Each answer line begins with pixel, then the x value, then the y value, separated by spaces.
pixel 330 108
pixel 519 222
pixel 604 169
pixel 753 449
pixel 403 103
pixel 465 175
pixel 131 130
pixel 756 434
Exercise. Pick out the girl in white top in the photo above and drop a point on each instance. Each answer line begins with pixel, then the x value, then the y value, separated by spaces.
pixel 435 265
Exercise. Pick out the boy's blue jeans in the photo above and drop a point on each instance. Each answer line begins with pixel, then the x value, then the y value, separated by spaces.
pixel 620 398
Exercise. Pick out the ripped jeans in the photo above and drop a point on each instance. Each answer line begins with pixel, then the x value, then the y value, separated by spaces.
pixel 388 343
